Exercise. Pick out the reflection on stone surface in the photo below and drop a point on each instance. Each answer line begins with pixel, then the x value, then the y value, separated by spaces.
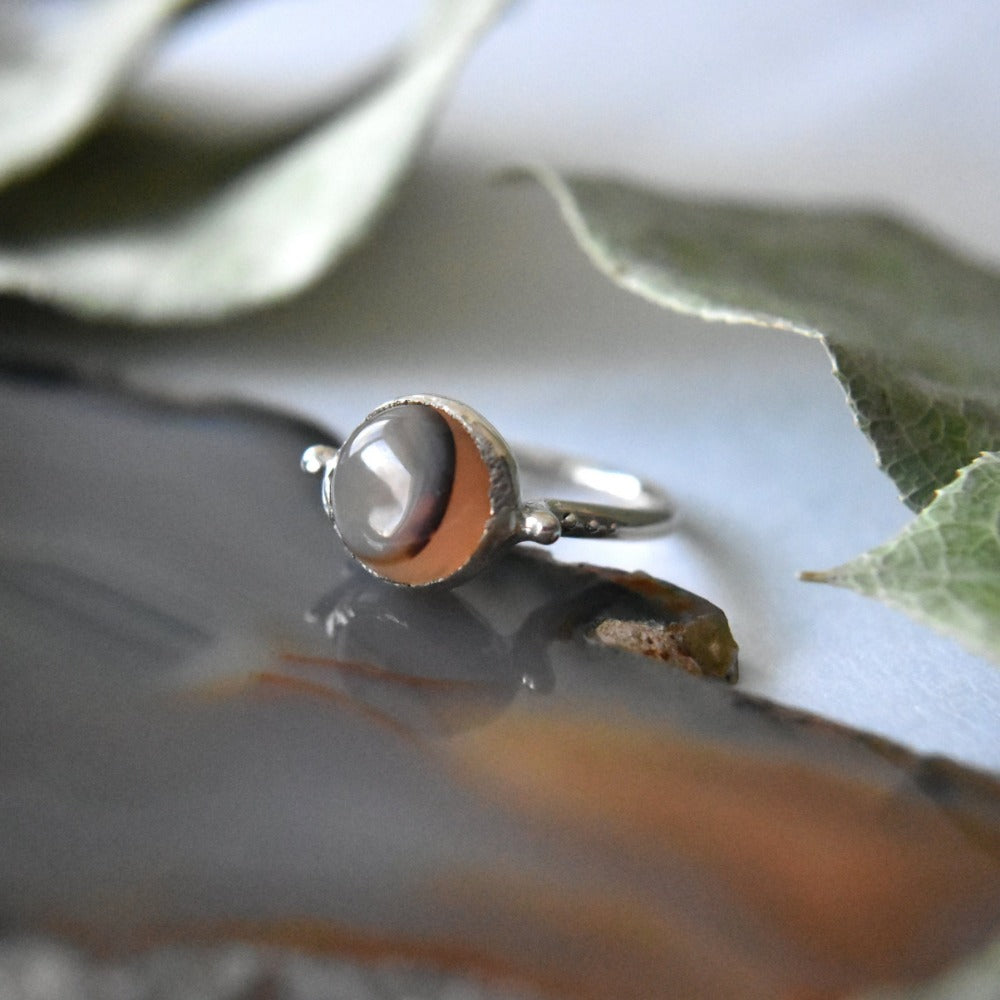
pixel 215 728
pixel 388 646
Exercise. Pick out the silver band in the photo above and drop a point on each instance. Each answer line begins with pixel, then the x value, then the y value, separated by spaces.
pixel 642 509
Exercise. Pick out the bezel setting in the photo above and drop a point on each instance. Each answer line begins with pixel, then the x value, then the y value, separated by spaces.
pixel 486 461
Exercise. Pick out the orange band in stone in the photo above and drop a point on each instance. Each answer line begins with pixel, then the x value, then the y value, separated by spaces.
pixel 461 529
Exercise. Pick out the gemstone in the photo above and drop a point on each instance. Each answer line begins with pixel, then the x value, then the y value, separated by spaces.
pixel 393 481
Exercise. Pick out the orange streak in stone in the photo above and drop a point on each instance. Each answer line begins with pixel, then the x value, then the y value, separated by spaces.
pixel 462 526
pixel 298 685
pixel 849 873
pixel 359 668
pixel 597 941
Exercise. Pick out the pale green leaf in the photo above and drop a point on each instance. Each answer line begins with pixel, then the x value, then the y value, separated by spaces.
pixel 259 236
pixel 54 84
pixel 944 567
pixel 912 328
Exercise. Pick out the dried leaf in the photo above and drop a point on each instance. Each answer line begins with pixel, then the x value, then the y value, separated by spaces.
pixel 267 232
pixel 54 85
pixel 944 567
pixel 911 327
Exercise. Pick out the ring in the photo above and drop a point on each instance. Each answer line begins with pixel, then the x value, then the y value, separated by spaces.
pixel 426 492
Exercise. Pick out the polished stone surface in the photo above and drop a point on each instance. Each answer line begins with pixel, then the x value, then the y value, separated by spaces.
pixel 393 482
pixel 217 729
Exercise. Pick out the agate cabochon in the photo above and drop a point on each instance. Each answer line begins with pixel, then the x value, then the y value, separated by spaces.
pixel 411 494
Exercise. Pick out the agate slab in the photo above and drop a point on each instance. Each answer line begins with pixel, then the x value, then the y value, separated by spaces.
pixel 217 730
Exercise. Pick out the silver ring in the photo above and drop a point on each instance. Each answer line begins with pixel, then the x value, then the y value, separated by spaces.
pixel 425 491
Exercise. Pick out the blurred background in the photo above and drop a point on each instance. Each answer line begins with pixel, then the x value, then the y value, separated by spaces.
pixel 473 288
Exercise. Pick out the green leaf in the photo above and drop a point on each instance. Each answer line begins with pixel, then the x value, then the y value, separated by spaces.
pixel 256 237
pixel 53 85
pixel 913 330
pixel 944 567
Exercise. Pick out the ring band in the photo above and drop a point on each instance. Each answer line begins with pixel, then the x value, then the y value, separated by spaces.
pixel 425 491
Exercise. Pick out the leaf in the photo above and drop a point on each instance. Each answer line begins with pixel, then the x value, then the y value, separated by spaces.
pixel 912 329
pixel 55 85
pixel 944 567
pixel 266 232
